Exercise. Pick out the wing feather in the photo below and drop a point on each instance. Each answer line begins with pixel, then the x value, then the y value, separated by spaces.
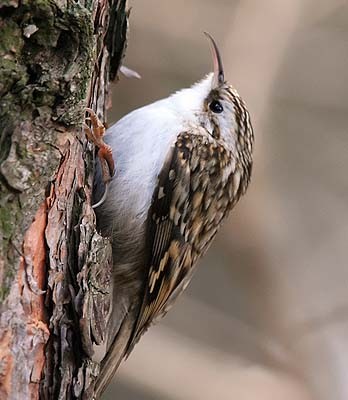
pixel 179 228
pixel 167 246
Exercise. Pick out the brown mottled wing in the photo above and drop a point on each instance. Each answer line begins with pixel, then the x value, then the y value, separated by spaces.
pixel 170 257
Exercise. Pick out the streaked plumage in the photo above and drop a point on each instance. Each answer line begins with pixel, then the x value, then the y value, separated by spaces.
pixel 180 168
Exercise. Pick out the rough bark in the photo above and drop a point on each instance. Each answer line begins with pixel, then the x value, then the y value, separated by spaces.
pixel 56 58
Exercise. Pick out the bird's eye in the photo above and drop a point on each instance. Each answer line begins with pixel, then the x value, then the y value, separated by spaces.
pixel 216 107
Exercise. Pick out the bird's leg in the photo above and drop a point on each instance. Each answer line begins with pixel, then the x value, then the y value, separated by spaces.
pixel 95 134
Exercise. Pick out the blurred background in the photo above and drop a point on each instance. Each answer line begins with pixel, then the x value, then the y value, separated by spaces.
pixel 266 315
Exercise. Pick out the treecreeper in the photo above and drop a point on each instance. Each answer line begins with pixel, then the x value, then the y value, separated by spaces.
pixel 181 165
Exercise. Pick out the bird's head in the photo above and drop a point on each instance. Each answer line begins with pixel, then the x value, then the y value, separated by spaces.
pixel 215 105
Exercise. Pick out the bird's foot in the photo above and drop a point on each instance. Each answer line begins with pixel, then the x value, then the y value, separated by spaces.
pixel 95 134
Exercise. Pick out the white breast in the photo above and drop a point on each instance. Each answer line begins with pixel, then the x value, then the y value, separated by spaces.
pixel 140 142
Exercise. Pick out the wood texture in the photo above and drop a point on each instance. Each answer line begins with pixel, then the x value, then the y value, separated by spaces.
pixel 54 267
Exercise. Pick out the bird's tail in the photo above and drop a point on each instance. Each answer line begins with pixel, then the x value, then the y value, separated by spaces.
pixel 118 350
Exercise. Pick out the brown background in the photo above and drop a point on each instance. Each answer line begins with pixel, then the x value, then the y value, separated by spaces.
pixel 266 315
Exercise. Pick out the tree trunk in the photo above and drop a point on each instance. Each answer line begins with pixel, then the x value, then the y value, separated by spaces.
pixel 56 58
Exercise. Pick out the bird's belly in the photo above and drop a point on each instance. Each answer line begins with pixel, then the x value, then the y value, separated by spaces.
pixel 139 145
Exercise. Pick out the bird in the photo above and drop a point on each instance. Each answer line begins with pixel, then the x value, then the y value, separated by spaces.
pixel 181 165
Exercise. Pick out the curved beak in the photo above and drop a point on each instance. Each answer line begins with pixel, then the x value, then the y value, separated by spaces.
pixel 219 77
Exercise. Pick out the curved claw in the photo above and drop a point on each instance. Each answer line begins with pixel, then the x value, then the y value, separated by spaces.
pixel 103 198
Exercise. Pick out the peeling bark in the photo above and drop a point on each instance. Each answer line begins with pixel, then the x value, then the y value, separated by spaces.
pixel 56 58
